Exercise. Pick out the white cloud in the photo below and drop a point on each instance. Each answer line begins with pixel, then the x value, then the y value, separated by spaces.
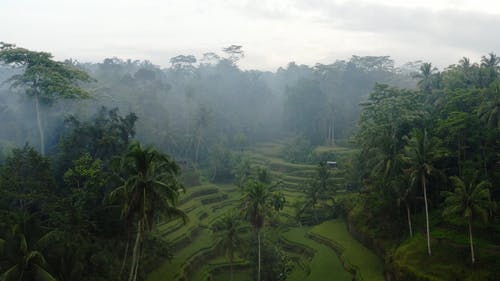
pixel 272 32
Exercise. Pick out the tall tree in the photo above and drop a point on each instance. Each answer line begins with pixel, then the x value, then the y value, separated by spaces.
pixel 489 110
pixel 256 206
pixel 419 154
pixel 234 53
pixel 44 79
pixel 319 188
pixel 228 230
pixel 150 188
pixel 469 200
pixel 427 76
pixel 203 119
pixel 490 68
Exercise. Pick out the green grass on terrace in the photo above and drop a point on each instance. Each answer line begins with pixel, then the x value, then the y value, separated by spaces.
pixel 268 149
pixel 329 149
pixel 369 265
pixel 203 272
pixel 325 265
pixel 447 262
pixel 195 239
pixel 169 270
pixel 238 276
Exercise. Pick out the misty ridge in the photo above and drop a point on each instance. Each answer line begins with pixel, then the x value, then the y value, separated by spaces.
pixel 198 103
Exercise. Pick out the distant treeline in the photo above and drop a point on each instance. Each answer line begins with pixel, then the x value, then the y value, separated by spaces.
pixel 189 108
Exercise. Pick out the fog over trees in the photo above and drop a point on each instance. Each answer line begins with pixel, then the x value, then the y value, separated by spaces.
pixel 198 103
pixel 355 168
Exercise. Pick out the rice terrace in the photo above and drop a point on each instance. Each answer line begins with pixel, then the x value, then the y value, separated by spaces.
pixel 273 140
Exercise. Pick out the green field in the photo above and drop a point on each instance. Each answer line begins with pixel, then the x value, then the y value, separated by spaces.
pixel 196 259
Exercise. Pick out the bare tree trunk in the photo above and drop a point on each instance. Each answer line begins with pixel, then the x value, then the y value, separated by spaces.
pixel 40 128
pixel 258 270
pixel 426 216
pixel 409 220
pixel 471 243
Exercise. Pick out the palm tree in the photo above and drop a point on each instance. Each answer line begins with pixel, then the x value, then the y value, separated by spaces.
pixel 313 193
pixel 255 205
pixel 228 230
pixel 490 61
pixel 22 251
pixel 489 69
pixel 489 110
pixel 150 188
pixel 418 153
pixel 427 77
pixel 468 200
pixel 278 201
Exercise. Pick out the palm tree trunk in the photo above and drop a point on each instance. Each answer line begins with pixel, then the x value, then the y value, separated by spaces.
pixel 40 128
pixel 426 216
pixel 137 262
pixel 333 132
pixel 124 258
pixel 409 220
pixel 231 258
pixel 258 269
pixel 315 212
pixel 197 148
pixel 490 207
pixel 135 253
pixel 214 175
pixel 471 243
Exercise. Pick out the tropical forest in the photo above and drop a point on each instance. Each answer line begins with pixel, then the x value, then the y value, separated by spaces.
pixel 200 168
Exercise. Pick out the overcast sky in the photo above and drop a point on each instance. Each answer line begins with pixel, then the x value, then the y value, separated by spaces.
pixel 272 32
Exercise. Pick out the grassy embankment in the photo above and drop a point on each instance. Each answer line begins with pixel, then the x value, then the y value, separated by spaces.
pixel 407 258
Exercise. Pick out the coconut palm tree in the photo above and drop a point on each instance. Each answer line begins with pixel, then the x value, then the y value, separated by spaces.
pixel 228 230
pixel 489 110
pixel 256 206
pixel 427 77
pixel 419 154
pixel 150 188
pixel 490 66
pixel 22 251
pixel 468 200
pixel 278 201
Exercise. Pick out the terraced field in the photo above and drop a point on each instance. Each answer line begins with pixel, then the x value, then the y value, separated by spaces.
pixel 193 242
pixel 326 251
